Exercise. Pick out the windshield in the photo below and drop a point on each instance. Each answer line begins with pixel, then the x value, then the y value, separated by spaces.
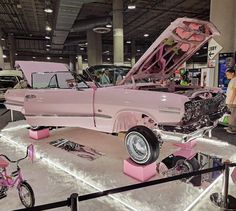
pixel 8 81
pixel 61 80
pixel 106 75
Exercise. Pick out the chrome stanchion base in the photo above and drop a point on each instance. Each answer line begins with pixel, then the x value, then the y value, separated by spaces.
pixel 217 200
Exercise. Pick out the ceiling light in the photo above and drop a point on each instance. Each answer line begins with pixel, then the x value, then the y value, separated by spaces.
pixel 48 28
pixel 131 6
pixel 205 47
pixel 108 59
pixel 4 56
pixel 48 57
pixel 81 49
pixel 48 10
pixel 128 41
pixel 85 59
pixel 128 59
pixel 34 57
pixel 2 39
pixel 138 50
pixel 47 37
pixel 197 53
pixel 146 35
pixel 47 49
pixel 60 57
pixel 48 45
pixel 109 25
pixel 16 54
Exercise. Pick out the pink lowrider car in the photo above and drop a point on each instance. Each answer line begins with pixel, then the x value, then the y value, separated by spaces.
pixel 135 106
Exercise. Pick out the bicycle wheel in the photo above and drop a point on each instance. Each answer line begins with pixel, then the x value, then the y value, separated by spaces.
pixel 26 194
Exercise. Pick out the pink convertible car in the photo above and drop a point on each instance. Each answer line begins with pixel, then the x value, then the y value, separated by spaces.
pixel 138 106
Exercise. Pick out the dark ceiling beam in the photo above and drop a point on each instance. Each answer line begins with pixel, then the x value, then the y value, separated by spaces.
pixel 152 18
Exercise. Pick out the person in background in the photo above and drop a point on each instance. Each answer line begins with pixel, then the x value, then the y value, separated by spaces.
pixel 104 78
pixel 231 100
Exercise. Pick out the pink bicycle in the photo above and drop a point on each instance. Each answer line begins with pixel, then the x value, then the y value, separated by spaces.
pixel 25 191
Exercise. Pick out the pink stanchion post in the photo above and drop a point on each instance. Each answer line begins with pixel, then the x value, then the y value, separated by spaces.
pixel 139 172
pixel 39 134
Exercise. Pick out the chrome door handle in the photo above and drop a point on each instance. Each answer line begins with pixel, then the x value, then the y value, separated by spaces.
pixel 30 96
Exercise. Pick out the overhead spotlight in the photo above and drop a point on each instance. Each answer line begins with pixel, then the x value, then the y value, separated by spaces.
pixel 60 57
pixel 48 28
pixel 47 49
pixel 108 25
pixel 48 10
pixel 4 56
pixel 16 54
pixel 33 57
pixel 205 47
pixel 146 35
pixel 48 45
pixel 2 38
pixel 48 57
pixel 47 37
pixel 128 41
pixel 108 59
pixel 138 50
pixel 128 59
pixel 131 5
pixel 85 59
pixel 197 53
pixel 81 49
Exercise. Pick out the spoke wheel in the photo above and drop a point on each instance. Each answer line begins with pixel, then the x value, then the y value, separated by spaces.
pixel 26 195
pixel 142 145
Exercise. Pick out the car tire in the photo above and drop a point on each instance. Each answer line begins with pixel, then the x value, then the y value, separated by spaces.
pixel 142 145
pixel 189 165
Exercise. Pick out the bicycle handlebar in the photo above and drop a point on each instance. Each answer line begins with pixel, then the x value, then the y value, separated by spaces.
pixel 16 161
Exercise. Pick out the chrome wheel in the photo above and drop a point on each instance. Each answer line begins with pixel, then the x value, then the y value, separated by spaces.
pixel 137 147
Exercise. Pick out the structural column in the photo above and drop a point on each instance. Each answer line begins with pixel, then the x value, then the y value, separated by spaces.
pixel 222 14
pixel 94 48
pixel 133 53
pixel 72 65
pixel 118 33
pixel 12 49
pixel 79 64
pixel 1 57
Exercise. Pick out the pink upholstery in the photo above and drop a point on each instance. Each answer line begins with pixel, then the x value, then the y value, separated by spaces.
pixel 3 163
pixel 141 173
pixel 39 134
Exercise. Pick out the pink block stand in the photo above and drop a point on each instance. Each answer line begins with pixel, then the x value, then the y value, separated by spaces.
pixel 39 134
pixel 139 172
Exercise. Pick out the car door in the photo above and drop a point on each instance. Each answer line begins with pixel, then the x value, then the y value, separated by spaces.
pixel 60 106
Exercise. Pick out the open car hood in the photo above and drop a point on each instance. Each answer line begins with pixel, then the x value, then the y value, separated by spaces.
pixel 171 49
pixel 29 67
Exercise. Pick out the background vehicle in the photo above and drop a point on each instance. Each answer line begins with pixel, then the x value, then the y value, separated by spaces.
pixel 25 191
pixel 8 79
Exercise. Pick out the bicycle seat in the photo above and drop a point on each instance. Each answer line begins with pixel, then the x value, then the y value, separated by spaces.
pixel 3 163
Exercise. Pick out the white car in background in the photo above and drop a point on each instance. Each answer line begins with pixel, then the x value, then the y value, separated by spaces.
pixel 8 80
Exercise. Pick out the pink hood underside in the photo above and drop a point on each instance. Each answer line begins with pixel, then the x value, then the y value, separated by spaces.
pixel 171 49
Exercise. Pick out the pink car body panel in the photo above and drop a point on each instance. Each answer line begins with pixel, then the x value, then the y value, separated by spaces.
pixel 115 109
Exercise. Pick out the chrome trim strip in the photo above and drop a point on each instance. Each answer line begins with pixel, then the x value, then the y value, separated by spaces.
pixel 169 111
pixel 69 115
